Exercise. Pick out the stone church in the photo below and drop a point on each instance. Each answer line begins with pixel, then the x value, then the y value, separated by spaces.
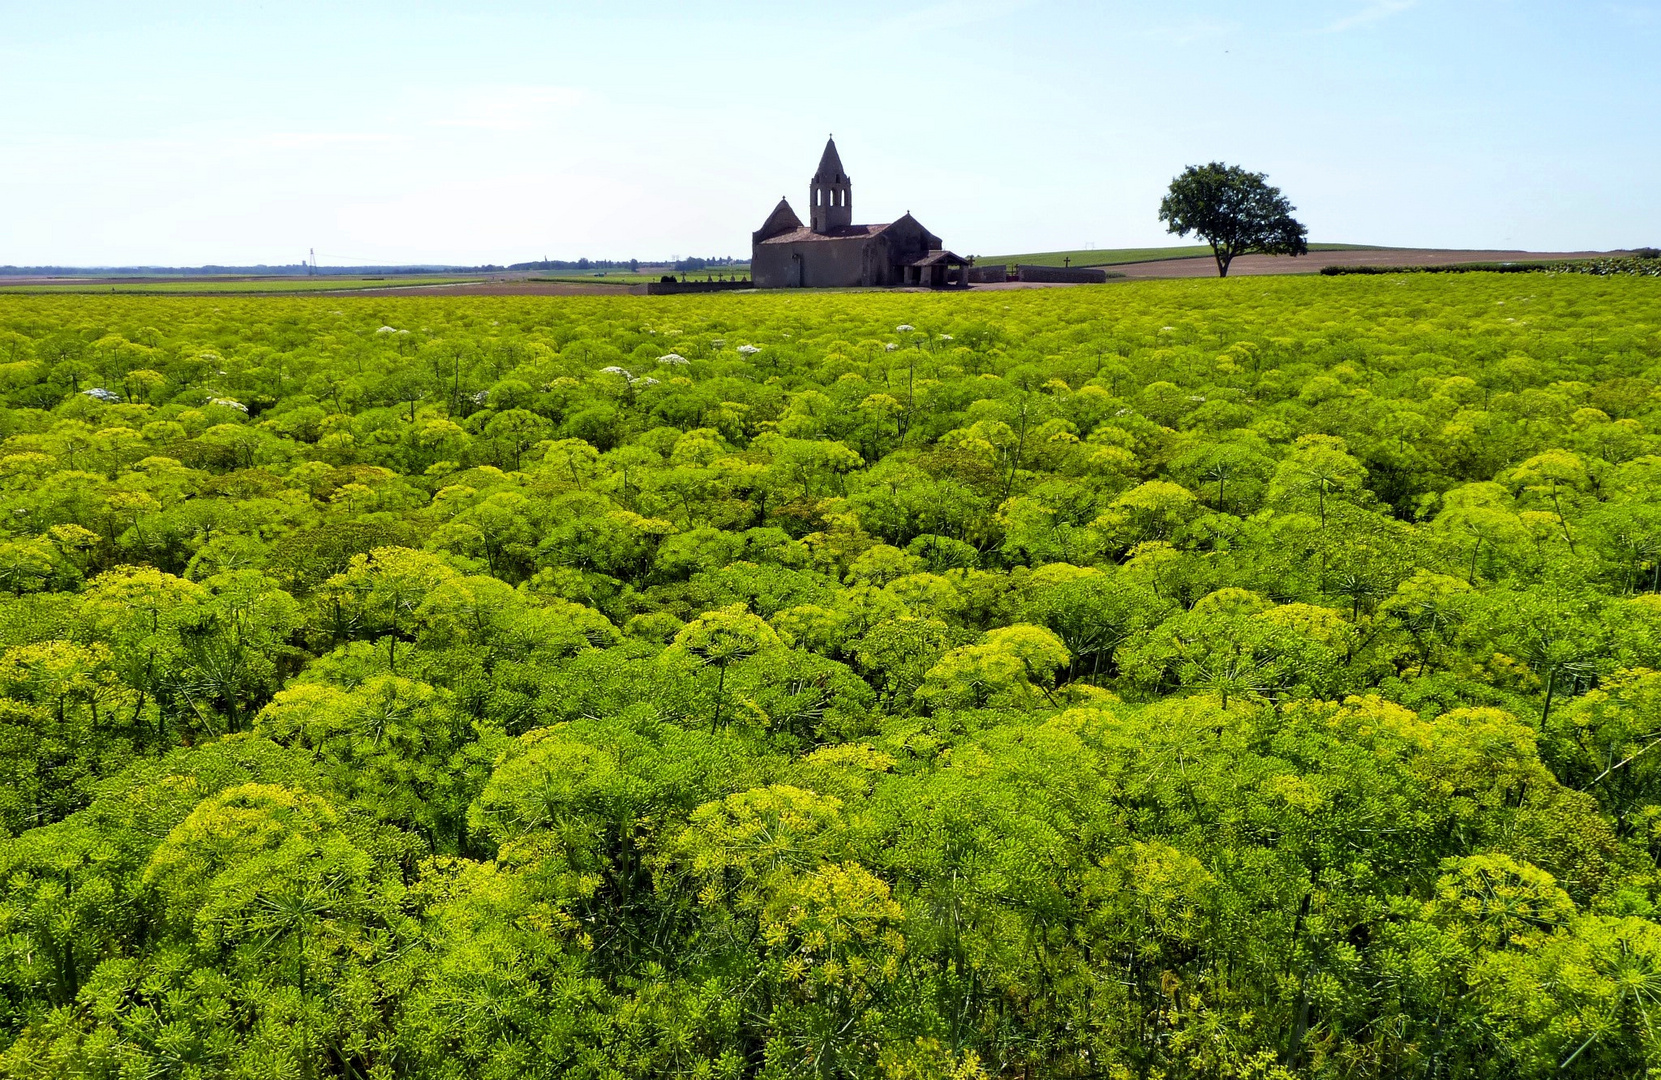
pixel 831 251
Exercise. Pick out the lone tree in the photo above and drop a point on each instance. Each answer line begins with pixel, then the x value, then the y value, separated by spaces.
pixel 1233 210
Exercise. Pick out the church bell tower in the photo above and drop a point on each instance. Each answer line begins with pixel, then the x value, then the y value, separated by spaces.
pixel 830 196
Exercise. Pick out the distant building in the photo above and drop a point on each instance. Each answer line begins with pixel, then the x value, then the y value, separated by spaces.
pixel 832 252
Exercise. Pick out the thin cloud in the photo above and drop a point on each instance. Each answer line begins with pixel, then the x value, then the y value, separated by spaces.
pixel 1643 15
pixel 301 140
pixel 1377 11
pixel 1193 31
pixel 511 108
pixel 949 15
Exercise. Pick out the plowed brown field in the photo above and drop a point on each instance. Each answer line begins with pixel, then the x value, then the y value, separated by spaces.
pixel 1248 265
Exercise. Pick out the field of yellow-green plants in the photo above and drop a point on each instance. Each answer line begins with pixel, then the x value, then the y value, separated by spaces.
pixel 1233 679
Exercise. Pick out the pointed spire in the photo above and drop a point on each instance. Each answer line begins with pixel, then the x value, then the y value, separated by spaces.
pixel 830 165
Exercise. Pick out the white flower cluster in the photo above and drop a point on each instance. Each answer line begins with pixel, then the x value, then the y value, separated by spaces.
pixel 890 347
pixel 903 327
pixel 229 403
pixel 98 393
pixel 633 379
pixel 673 358
pixel 748 350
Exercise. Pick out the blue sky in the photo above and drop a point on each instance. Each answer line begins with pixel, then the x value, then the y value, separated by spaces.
pixel 184 133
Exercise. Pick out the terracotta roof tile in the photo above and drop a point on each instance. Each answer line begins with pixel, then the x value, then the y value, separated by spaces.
pixel 851 232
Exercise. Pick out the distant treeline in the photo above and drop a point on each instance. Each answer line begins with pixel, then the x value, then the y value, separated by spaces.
pixel 579 264
pixel 696 263
pixel 632 265
pixel 303 270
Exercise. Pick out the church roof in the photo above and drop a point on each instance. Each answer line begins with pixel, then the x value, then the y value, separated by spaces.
pixel 781 220
pixel 830 165
pixel 939 258
pixel 850 232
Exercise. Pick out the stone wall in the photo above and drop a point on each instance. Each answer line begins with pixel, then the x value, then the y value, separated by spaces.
pixel 810 264
pixel 671 288
pixel 1071 275
pixel 986 275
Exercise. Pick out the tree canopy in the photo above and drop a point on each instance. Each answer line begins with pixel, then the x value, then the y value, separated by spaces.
pixel 1235 211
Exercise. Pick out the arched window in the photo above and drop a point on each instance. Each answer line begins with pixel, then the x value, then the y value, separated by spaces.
pixel 844 197
pixel 818 196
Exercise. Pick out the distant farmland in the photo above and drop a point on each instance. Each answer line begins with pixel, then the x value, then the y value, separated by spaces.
pixel 1194 260
pixel 198 286
pixel 1120 256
